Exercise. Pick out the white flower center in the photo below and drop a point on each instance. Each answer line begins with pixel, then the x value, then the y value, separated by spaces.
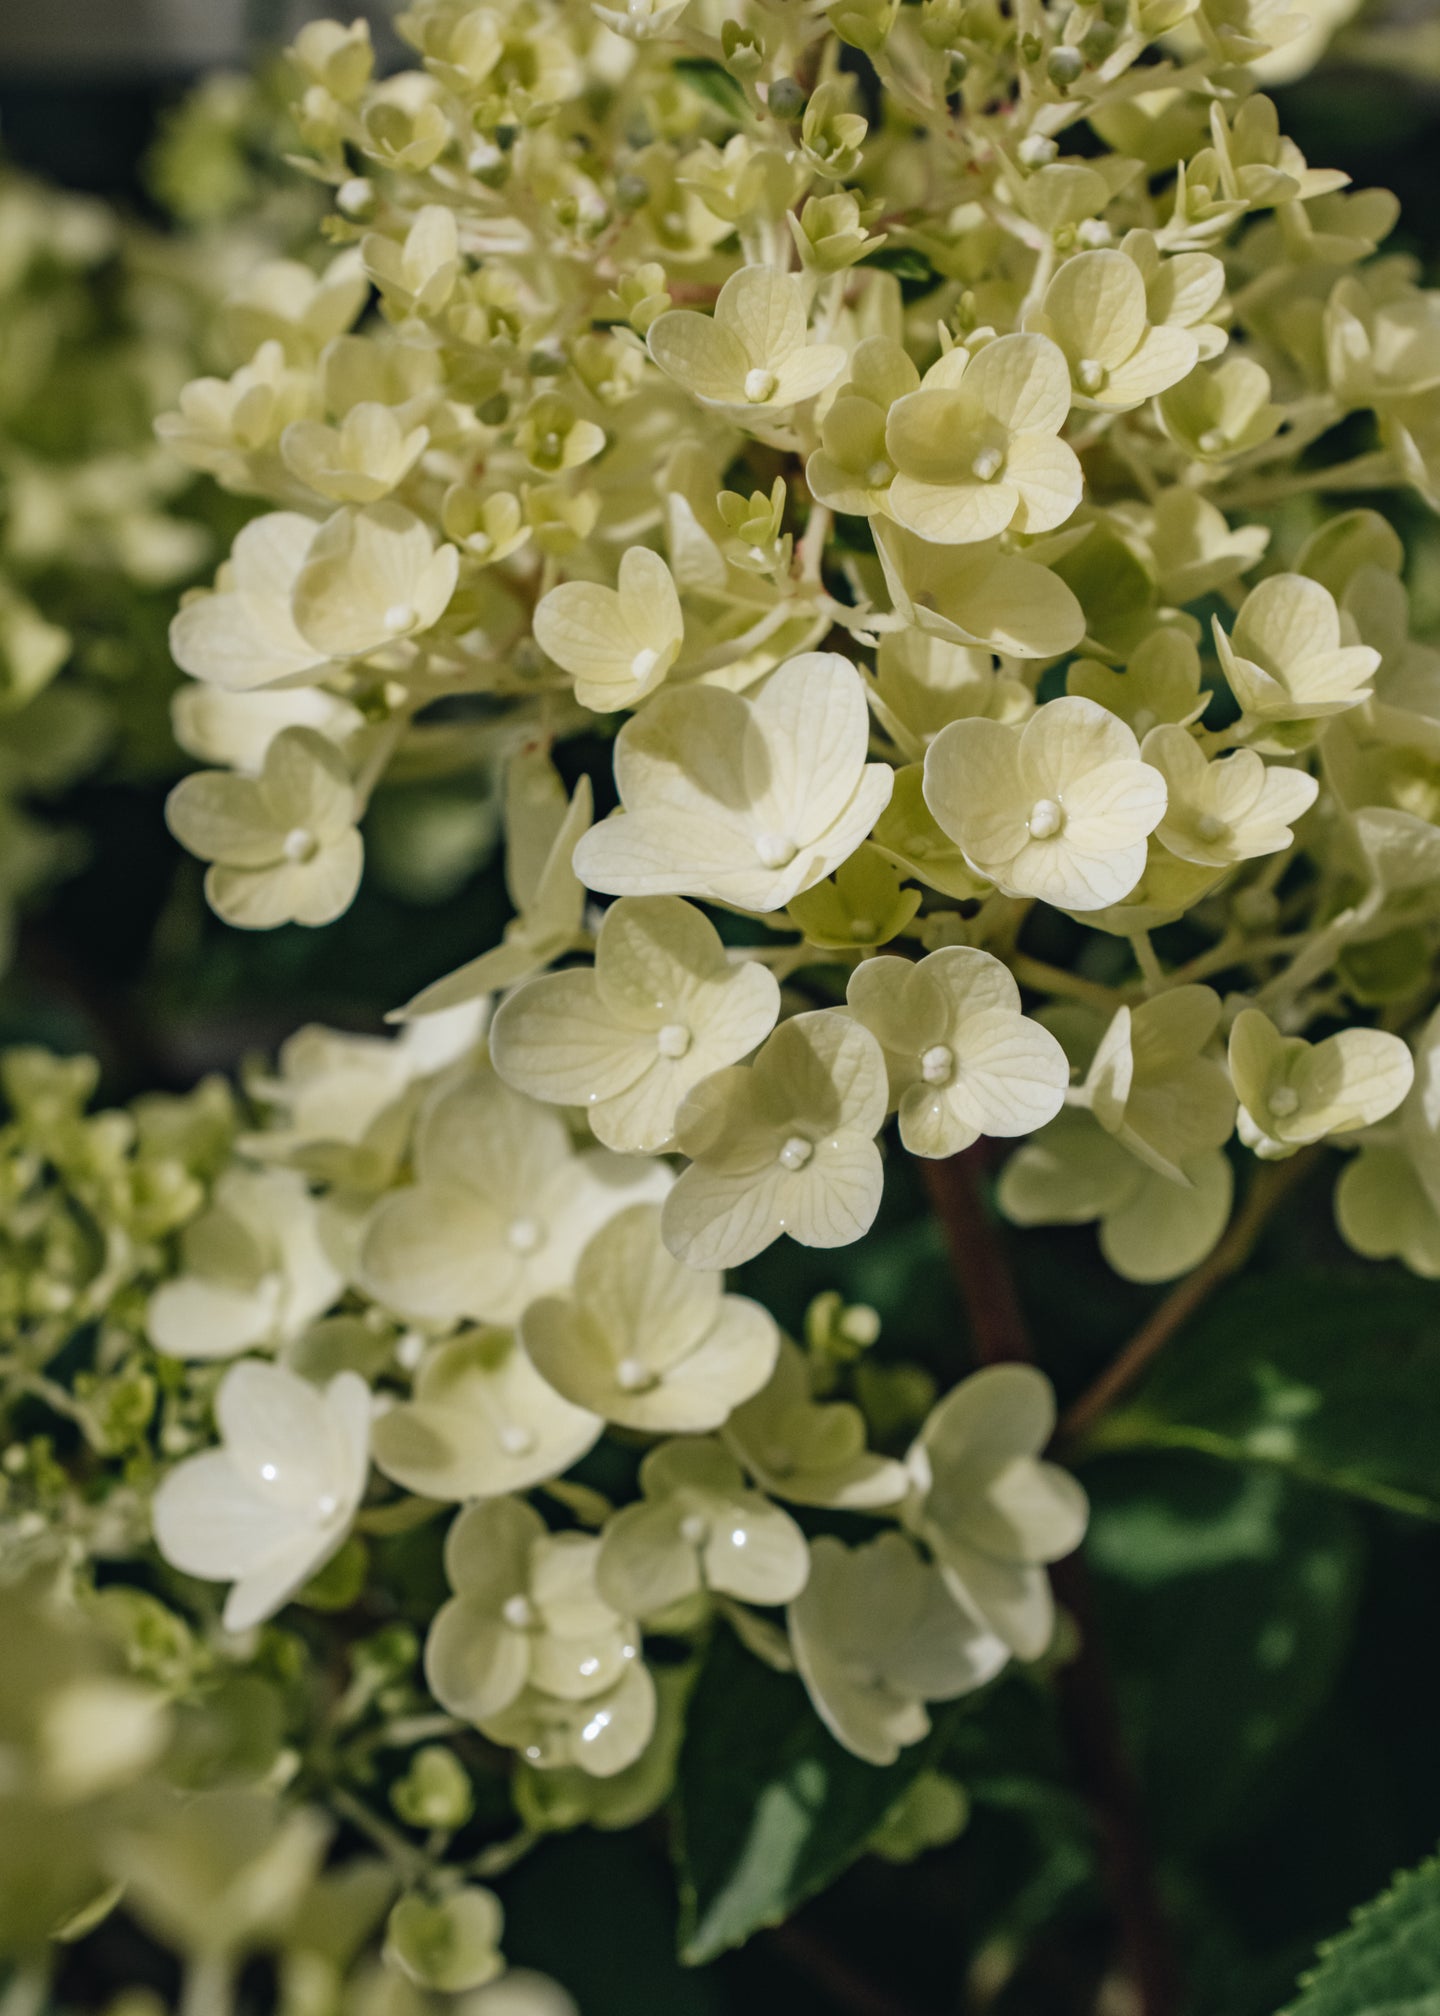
pixel 694 1529
pixel 1212 441
pixel 300 844
pixel 938 1064
pixel 796 1152
pixel 673 1040
pixel 1046 819
pixel 1283 1101
pixel 1090 374
pixel 1209 826
pixel 518 1612
pixel 400 616
pixel 515 1440
pixel 864 930
pixel 878 475
pixel 987 465
pixel 631 1376
pixel 643 664
pixel 524 1235
pixel 760 386
pixel 326 1504
pixel 775 850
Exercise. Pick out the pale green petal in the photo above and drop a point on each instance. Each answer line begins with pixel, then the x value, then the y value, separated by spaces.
pixel 1167 1229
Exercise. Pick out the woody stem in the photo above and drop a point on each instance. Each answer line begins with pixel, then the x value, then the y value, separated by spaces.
pixel 1088 1715
pixel 1272 1185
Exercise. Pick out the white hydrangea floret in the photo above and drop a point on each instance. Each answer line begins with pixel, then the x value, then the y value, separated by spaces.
pixel 617 643
pixel 745 801
pixel 661 1008
pixel 500 1209
pixel 698 1527
pixel 876 1635
pixel 1293 1092
pixel 962 1059
pixel 271 1505
pixel 783 1145
pixel 646 1341
pixel 991 1510
pixel 1060 808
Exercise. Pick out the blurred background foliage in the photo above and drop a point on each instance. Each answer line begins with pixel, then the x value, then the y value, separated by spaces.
pixel 1273 1645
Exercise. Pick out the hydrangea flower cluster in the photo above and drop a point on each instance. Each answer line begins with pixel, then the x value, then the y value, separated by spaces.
pixel 878 434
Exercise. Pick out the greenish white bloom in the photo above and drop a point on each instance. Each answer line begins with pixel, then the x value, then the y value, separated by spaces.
pixel 962 1060
pixel 254 1270
pixel 500 1209
pixel 646 1341
pixel 662 1007
pixel 976 448
pixel 992 1512
pixel 810 1451
pixel 1229 810
pixel 618 643
pixel 698 1527
pixel 786 1144
pixel 244 634
pixel 283 846
pixel 1152 1085
pixel 1292 1092
pixel 754 353
pixel 745 801
pixel 372 578
pixel 1059 808
pixel 1287 659
pixel 876 1635
pixel 270 1506
pixel 481 1421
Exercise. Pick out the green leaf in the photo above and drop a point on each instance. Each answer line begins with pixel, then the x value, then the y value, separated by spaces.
pixel 772 1809
pixel 1226 1600
pixel 715 84
pixel 1332 1377
pixel 1388 1962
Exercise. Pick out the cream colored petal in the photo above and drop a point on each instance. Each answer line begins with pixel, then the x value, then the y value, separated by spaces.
pixel 489 1139
pixel 1167 1229
pixel 277 1435
pixel 190 1318
pixel 208 1522
pixel 483 1422
pixel 1097 303
pixel 765 310
pixel 1013 1600
pixel 324 889
pixel 699 355
pixel 553 1040
pixel 1047 477
pixel 225 819
pixel 646 1564
pixel 712 1219
pixel 475 1665
pixel 436 1252
pixel 804 374
pixel 1162 358
pixel 805 756
pixel 957 514
pixel 1023 381
pixel 975 789
pixel 306 783
pixel 1068 1175
pixel 1064 741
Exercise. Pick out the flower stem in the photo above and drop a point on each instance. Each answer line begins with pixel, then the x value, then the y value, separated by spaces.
pixel 1089 1719
pixel 1273 1184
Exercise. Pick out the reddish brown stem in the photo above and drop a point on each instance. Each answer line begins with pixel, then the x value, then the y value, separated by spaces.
pixel 1089 1720
pixel 1271 1186
pixel 847 1989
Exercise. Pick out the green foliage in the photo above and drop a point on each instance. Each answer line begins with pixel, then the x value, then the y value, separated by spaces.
pixel 1388 1962
pixel 1332 1377
pixel 771 1808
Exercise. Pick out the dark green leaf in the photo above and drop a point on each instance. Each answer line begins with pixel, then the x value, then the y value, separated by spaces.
pixel 1332 1377
pixel 772 1809
pixel 1226 1603
pixel 1388 1962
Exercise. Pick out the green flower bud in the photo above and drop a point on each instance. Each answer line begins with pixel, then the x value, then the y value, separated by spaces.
pixel 435 1791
